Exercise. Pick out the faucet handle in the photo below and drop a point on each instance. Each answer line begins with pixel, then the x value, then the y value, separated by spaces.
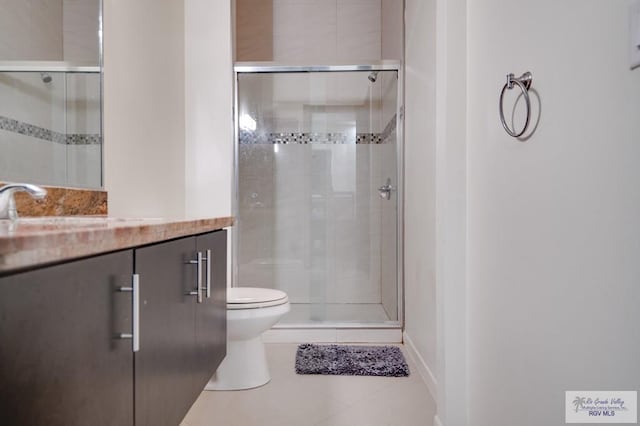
pixel 8 208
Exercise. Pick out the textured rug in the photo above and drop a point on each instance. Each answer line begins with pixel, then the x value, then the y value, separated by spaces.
pixel 351 360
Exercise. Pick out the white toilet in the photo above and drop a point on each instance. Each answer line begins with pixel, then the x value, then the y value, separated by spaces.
pixel 250 312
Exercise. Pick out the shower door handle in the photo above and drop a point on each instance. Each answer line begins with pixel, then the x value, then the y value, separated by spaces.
pixel 385 190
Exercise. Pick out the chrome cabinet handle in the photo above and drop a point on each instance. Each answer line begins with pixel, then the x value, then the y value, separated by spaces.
pixel 208 259
pixel 197 262
pixel 135 313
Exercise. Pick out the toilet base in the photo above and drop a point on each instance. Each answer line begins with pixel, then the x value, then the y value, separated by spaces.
pixel 244 367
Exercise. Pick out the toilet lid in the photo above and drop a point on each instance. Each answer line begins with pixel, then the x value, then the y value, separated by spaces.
pixel 252 297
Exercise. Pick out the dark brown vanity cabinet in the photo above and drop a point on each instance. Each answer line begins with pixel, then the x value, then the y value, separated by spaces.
pixel 182 324
pixel 62 358
pixel 59 361
pixel 211 315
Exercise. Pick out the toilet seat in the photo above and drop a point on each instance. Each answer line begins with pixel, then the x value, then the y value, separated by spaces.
pixel 254 298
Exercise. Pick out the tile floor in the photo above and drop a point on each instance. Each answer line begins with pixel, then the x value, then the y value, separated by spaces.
pixel 308 400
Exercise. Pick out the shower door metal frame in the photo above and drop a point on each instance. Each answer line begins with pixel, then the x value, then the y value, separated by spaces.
pixel 272 68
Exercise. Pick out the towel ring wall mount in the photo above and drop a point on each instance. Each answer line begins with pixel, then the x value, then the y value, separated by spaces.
pixel 524 83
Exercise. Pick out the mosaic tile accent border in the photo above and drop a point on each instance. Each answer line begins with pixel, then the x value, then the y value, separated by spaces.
pixel 20 127
pixel 247 137
pixel 301 138
pixel 368 138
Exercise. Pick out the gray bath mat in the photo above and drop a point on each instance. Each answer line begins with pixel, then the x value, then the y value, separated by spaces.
pixel 351 360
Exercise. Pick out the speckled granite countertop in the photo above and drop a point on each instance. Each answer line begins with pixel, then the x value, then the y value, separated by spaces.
pixel 30 242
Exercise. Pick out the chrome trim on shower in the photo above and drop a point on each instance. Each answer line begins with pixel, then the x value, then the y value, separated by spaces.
pixel 400 196
pixel 101 65
pixel 274 67
pixel 235 203
pixel 46 67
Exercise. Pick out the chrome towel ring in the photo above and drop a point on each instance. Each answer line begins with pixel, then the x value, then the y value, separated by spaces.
pixel 524 83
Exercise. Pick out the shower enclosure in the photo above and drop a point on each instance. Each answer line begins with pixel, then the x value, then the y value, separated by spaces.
pixel 51 123
pixel 318 190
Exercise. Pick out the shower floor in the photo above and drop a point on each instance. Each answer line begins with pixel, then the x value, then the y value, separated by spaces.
pixel 319 313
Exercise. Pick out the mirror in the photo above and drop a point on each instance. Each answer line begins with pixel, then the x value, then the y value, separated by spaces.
pixel 50 92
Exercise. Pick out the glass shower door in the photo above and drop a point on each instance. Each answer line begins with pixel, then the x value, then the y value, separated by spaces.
pixel 317 196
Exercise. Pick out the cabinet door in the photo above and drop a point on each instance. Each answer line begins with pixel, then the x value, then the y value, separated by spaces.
pixel 60 363
pixel 211 315
pixel 164 365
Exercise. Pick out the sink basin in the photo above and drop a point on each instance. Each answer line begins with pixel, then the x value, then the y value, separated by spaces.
pixel 52 223
pixel 80 220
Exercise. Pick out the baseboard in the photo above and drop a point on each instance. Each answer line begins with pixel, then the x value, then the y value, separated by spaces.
pixel 436 421
pixel 423 368
pixel 332 335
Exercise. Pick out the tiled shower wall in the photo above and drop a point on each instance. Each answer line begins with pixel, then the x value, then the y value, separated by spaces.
pixel 339 31
pixel 310 219
pixel 335 107
pixel 51 30
pixel 31 30
pixel 80 35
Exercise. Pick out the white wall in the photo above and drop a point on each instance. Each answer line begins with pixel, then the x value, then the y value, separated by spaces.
pixel 451 210
pixel 168 117
pixel 144 107
pixel 420 183
pixel 554 229
pixel 435 205
pixel 208 114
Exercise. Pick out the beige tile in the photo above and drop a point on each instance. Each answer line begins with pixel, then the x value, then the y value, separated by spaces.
pixel 391 29
pixel 80 30
pixel 402 405
pixel 14 30
pixel 300 24
pixel 46 30
pixel 359 30
pixel 348 389
pixel 299 400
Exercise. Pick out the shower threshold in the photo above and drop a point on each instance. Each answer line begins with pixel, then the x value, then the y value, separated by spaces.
pixel 334 333
pixel 310 314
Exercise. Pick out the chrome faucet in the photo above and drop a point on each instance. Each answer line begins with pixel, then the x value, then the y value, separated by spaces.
pixel 8 203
